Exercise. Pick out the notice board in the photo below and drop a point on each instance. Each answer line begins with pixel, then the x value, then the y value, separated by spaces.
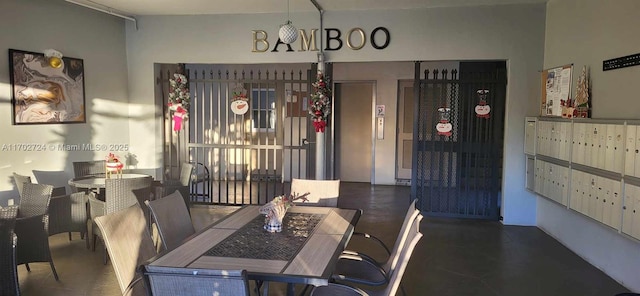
pixel 555 89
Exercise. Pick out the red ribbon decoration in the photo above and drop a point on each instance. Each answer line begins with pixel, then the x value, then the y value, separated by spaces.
pixel 320 125
pixel 178 117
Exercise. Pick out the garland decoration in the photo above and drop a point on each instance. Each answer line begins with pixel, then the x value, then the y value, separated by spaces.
pixel 179 99
pixel 320 104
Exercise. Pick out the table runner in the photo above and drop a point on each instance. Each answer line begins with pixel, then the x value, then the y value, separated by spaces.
pixel 253 242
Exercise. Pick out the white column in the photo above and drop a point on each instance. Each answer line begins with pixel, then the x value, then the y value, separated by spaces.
pixel 320 156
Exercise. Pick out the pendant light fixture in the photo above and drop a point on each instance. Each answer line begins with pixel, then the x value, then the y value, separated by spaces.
pixel 288 33
pixel 53 57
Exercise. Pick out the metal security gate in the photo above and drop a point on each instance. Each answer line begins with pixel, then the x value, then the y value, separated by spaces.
pixel 245 158
pixel 457 152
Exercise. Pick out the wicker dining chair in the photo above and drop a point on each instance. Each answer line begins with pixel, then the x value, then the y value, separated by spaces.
pixel 129 243
pixel 20 180
pixel 32 226
pixel 395 274
pixel 172 219
pixel 321 192
pixel 169 281
pixel 119 194
pixel 360 268
pixel 182 184
pixel 67 212
pixel 88 168
pixel 8 272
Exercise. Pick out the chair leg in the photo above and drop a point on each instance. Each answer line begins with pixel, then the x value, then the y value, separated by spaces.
pixel 69 236
pixel 27 266
pixel 104 260
pixel 53 269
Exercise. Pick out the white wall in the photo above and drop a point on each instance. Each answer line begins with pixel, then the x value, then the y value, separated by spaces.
pixel 509 32
pixel 77 32
pixel 587 32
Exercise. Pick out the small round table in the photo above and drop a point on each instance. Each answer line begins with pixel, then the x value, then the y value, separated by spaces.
pixel 98 181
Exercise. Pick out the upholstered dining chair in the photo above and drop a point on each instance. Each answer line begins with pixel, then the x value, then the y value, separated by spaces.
pixel 32 226
pixel 360 268
pixel 169 281
pixel 395 274
pixel 8 272
pixel 172 219
pixel 321 192
pixel 119 194
pixel 129 243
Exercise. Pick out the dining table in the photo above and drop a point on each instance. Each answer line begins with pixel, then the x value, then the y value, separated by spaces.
pixel 304 252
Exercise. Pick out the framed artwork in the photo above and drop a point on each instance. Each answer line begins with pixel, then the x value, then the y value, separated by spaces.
pixel 42 94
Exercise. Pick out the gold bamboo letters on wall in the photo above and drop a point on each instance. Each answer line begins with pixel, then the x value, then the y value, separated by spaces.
pixel 355 39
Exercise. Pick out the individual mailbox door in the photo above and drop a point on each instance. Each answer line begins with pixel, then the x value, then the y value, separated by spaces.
pixel 576 187
pixel 606 185
pixel 635 151
pixel 542 135
pixel 566 141
pixel 609 147
pixel 531 173
pixel 588 147
pixel 578 145
pixel 598 206
pixel 630 151
pixel 586 192
pixel 538 175
pixel 588 201
pixel 616 204
pixel 564 185
pixel 618 149
pixel 636 214
pixel 600 142
pixel 530 136
pixel 630 191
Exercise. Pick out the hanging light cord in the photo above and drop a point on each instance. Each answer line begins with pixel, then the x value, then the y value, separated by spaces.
pixel 288 18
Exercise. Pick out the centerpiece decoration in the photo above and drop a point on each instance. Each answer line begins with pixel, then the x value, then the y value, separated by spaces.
pixel 320 104
pixel 113 165
pixel 274 210
pixel 179 99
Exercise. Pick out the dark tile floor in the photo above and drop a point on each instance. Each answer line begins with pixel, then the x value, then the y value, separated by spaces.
pixel 455 257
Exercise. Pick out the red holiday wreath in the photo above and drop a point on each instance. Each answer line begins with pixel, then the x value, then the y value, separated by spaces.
pixel 320 104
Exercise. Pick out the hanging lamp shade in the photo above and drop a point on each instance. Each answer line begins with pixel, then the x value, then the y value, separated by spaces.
pixel 288 33
pixel 54 58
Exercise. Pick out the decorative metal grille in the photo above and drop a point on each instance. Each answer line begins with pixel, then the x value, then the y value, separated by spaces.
pixel 250 158
pixel 459 175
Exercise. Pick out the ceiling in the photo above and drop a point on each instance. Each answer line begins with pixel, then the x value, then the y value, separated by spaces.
pixel 193 7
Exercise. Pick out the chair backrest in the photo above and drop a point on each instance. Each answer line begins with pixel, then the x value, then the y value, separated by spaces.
pixel 88 168
pixel 8 273
pixel 321 192
pixel 59 180
pixel 122 193
pixel 171 281
pixel 128 241
pixel 410 216
pixel 35 200
pixel 185 174
pixel 20 181
pixel 172 219
pixel 413 236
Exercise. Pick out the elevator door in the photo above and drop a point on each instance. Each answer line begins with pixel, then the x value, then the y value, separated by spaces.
pixel 353 107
